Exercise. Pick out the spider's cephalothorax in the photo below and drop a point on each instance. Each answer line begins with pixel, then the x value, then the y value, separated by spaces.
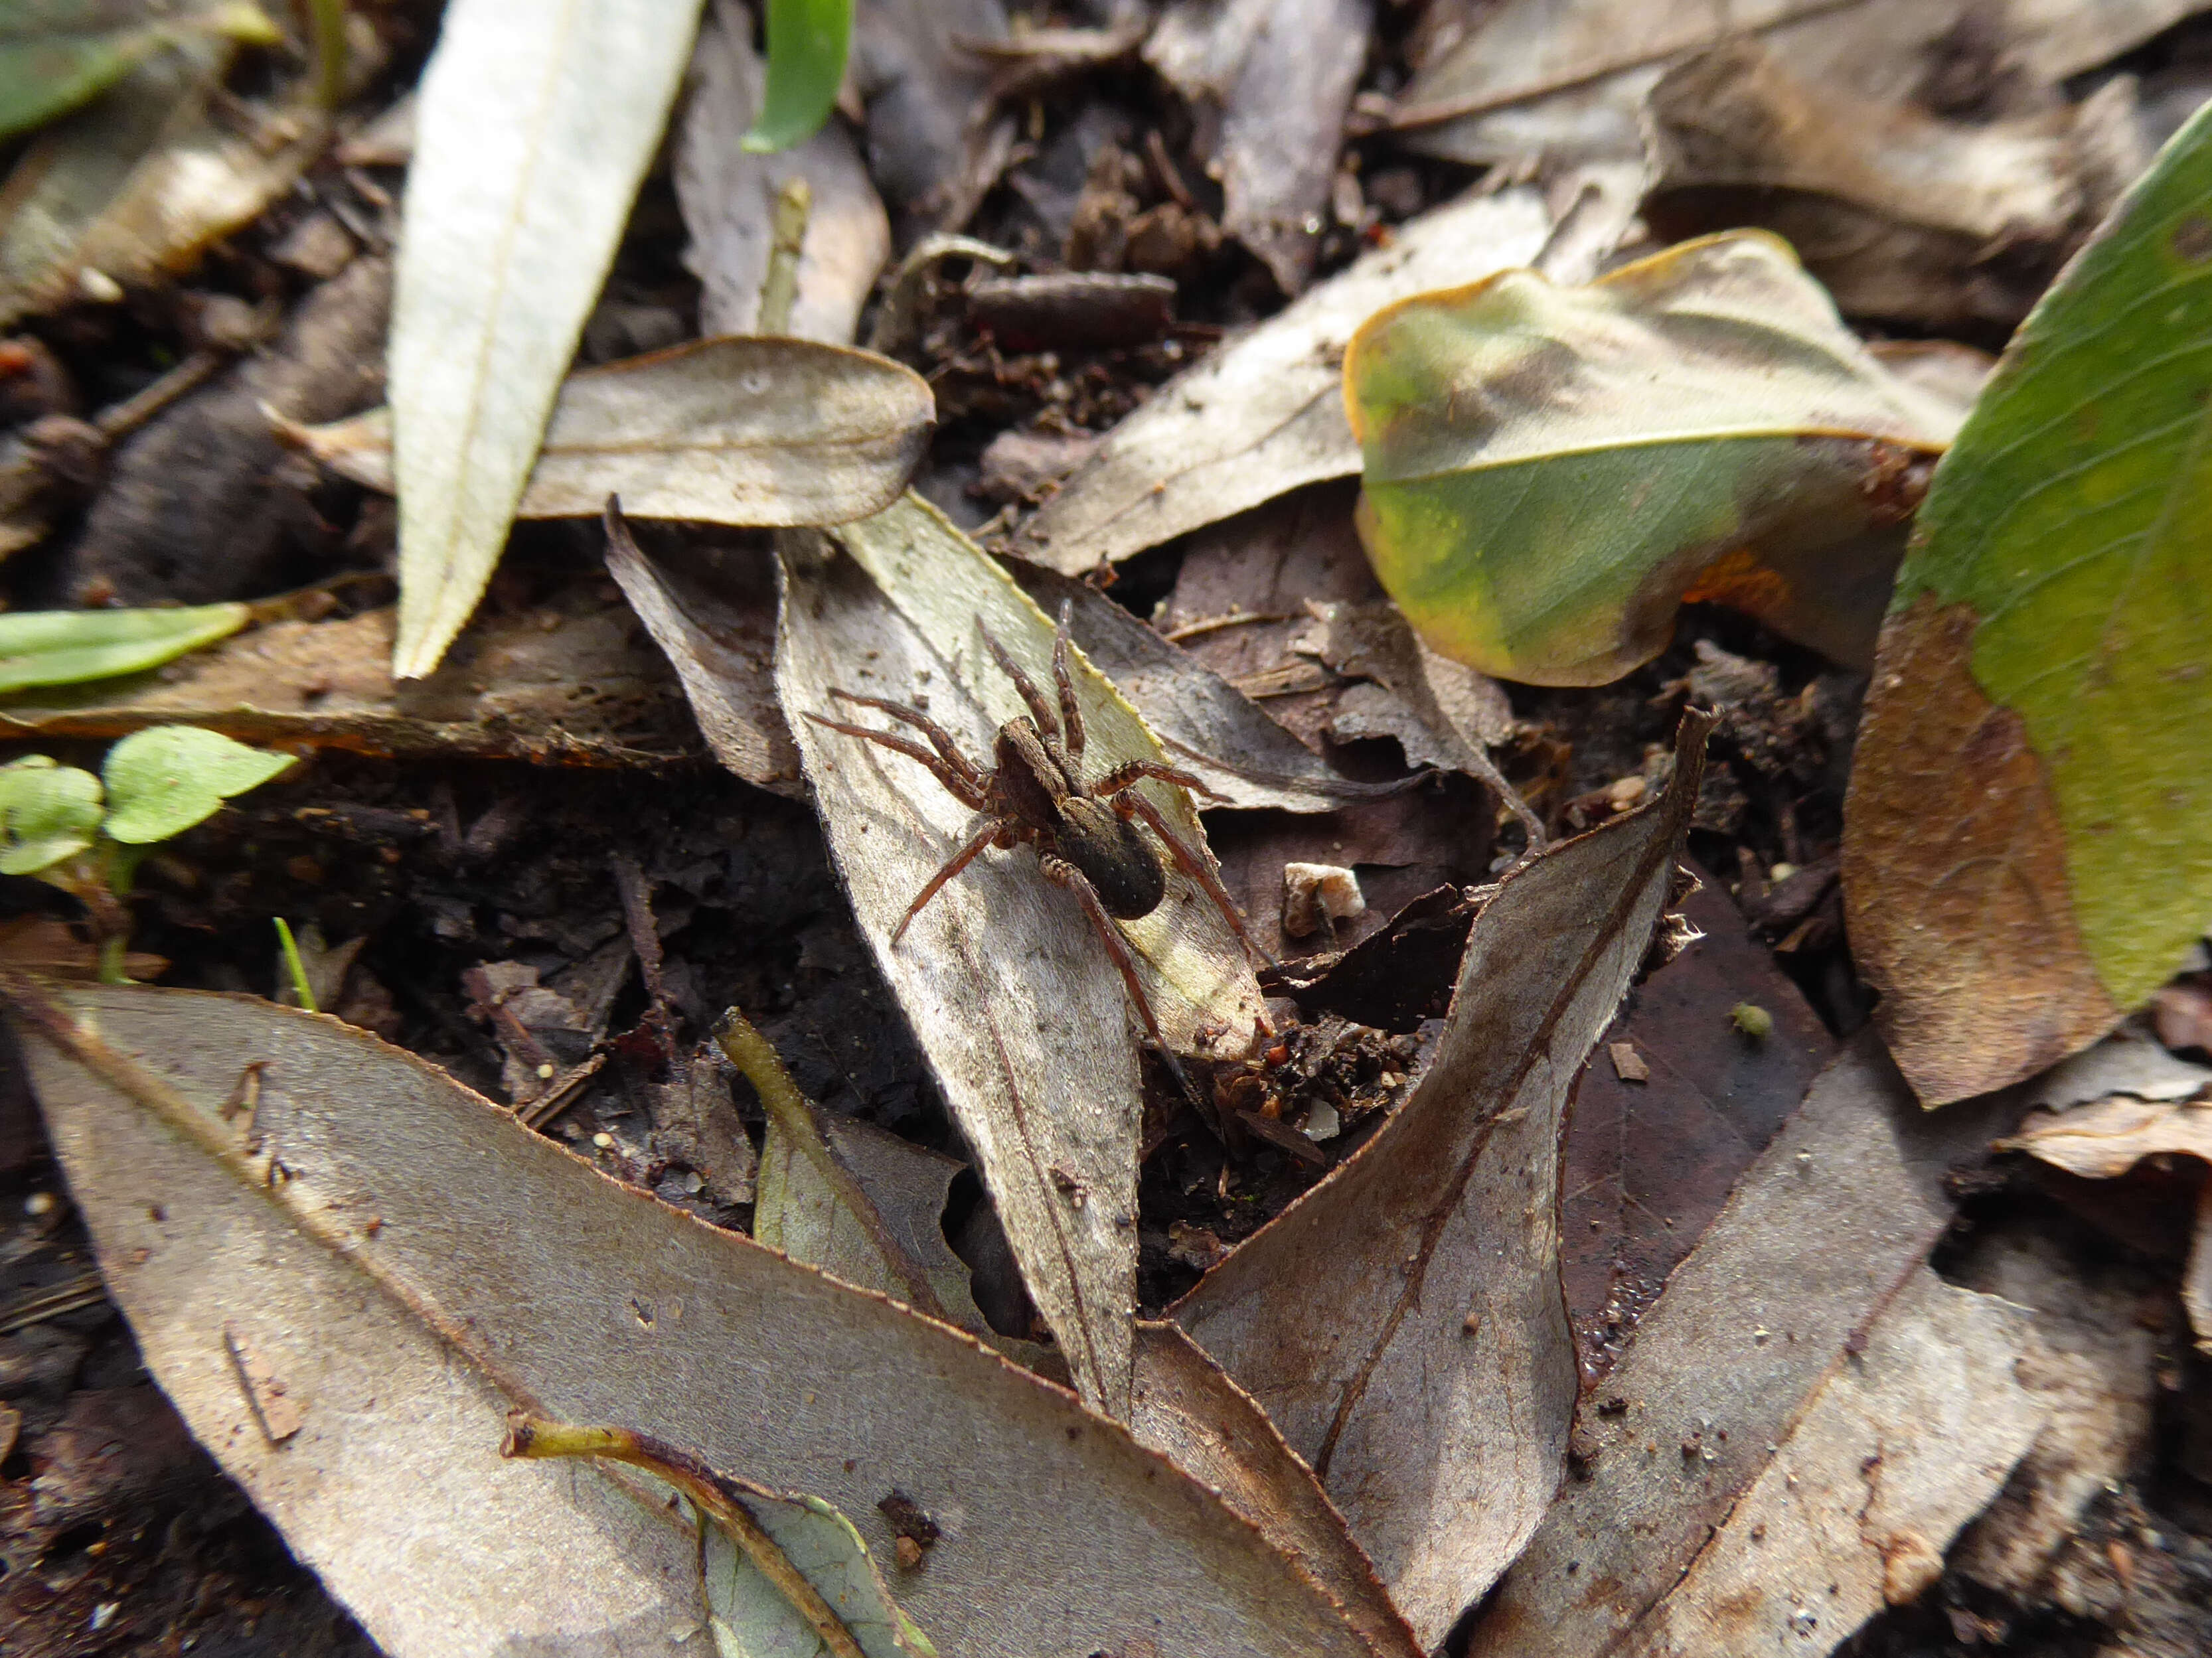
pixel 1086 834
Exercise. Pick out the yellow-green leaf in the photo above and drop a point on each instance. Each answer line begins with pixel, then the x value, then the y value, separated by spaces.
pixel 163 780
pixel 2027 849
pixel 1550 472
pixel 48 812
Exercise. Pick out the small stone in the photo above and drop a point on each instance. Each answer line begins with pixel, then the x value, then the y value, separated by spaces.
pixel 1627 1063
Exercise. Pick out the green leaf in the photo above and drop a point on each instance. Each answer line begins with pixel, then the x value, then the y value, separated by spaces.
pixel 162 782
pixel 49 812
pixel 750 1618
pixel 2028 840
pixel 1549 471
pixel 57 54
pixel 806 45
pixel 66 647
pixel 534 127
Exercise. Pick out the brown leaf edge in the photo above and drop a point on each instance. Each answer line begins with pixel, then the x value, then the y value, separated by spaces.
pixel 1955 891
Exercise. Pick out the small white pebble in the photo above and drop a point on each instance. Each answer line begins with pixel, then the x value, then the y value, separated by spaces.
pixel 1624 791
pixel 1780 872
pixel 40 1204
pixel 604 1140
pixel 545 1073
pixel 97 287
pixel 104 1614
pixel 1312 890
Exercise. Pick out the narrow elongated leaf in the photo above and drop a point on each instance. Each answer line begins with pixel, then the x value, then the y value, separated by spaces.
pixel 731 431
pixel 806 44
pixel 64 647
pixel 1402 1322
pixel 424 1263
pixel 1549 471
pixel 533 129
pixel 2027 847
pixel 57 54
pixel 1011 994
pixel 1264 414
pixel 1821 1234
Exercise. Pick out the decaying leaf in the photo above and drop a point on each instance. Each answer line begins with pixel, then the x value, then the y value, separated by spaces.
pixel 568 683
pixel 533 131
pixel 1024 1017
pixel 1276 79
pixel 1204 723
pixel 1751 1327
pixel 728 193
pixel 745 430
pixel 1435 1411
pixel 1264 414
pixel 423 1263
pixel 780 1572
pixel 712 612
pixel 1854 1513
pixel 1567 79
pixel 138 182
pixel 1649 1161
pixel 68 647
pixel 2027 847
pixel 1898 212
pixel 1550 472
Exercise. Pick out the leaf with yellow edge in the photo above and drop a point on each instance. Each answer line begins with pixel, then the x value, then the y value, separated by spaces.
pixel 1550 472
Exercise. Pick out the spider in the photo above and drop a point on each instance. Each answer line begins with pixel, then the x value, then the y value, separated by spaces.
pixel 1085 834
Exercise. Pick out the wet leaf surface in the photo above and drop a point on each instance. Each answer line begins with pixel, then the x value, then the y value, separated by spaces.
pixel 2026 857
pixel 532 136
pixel 1411 1406
pixel 606 1303
pixel 1549 471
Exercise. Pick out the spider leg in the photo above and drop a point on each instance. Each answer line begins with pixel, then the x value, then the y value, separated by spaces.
pixel 986 832
pixel 1040 710
pixel 963 789
pixel 1071 715
pixel 1060 872
pixel 939 738
pixel 1122 776
pixel 1195 865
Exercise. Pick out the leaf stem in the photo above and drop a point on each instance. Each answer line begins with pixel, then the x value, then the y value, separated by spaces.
pixel 780 287
pixel 292 965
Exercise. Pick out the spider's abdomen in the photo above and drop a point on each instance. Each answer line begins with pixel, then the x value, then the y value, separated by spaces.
pixel 1114 856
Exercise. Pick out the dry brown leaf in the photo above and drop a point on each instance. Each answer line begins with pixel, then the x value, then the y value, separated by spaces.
pixel 2106 1138
pixel 712 610
pixel 745 430
pixel 1264 414
pixel 1436 1410
pixel 727 194
pixel 1024 1017
pixel 1204 722
pixel 1183 1405
pixel 1894 210
pixel 570 683
pixel 1278 79
pixel 1567 79
pixel 1751 1326
pixel 423 1263
pixel 1901 1449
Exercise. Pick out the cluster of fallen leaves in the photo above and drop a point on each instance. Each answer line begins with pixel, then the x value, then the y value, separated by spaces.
pixel 1679 1380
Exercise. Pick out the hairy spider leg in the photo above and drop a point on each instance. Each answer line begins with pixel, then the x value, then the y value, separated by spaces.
pixel 1122 776
pixel 1129 802
pixel 1040 710
pixel 1071 715
pixel 964 789
pixel 990 830
pixel 939 738
pixel 1058 871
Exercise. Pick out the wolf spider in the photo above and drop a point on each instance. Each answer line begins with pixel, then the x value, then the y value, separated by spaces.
pixel 1085 834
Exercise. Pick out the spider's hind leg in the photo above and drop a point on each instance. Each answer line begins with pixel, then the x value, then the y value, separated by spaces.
pixel 1060 872
pixel 1193 864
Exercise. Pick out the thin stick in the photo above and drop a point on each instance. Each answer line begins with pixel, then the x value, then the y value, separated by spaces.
pixel 780 289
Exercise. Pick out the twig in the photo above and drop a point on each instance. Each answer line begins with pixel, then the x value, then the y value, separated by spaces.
pixel 636 894
pixel 780 289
